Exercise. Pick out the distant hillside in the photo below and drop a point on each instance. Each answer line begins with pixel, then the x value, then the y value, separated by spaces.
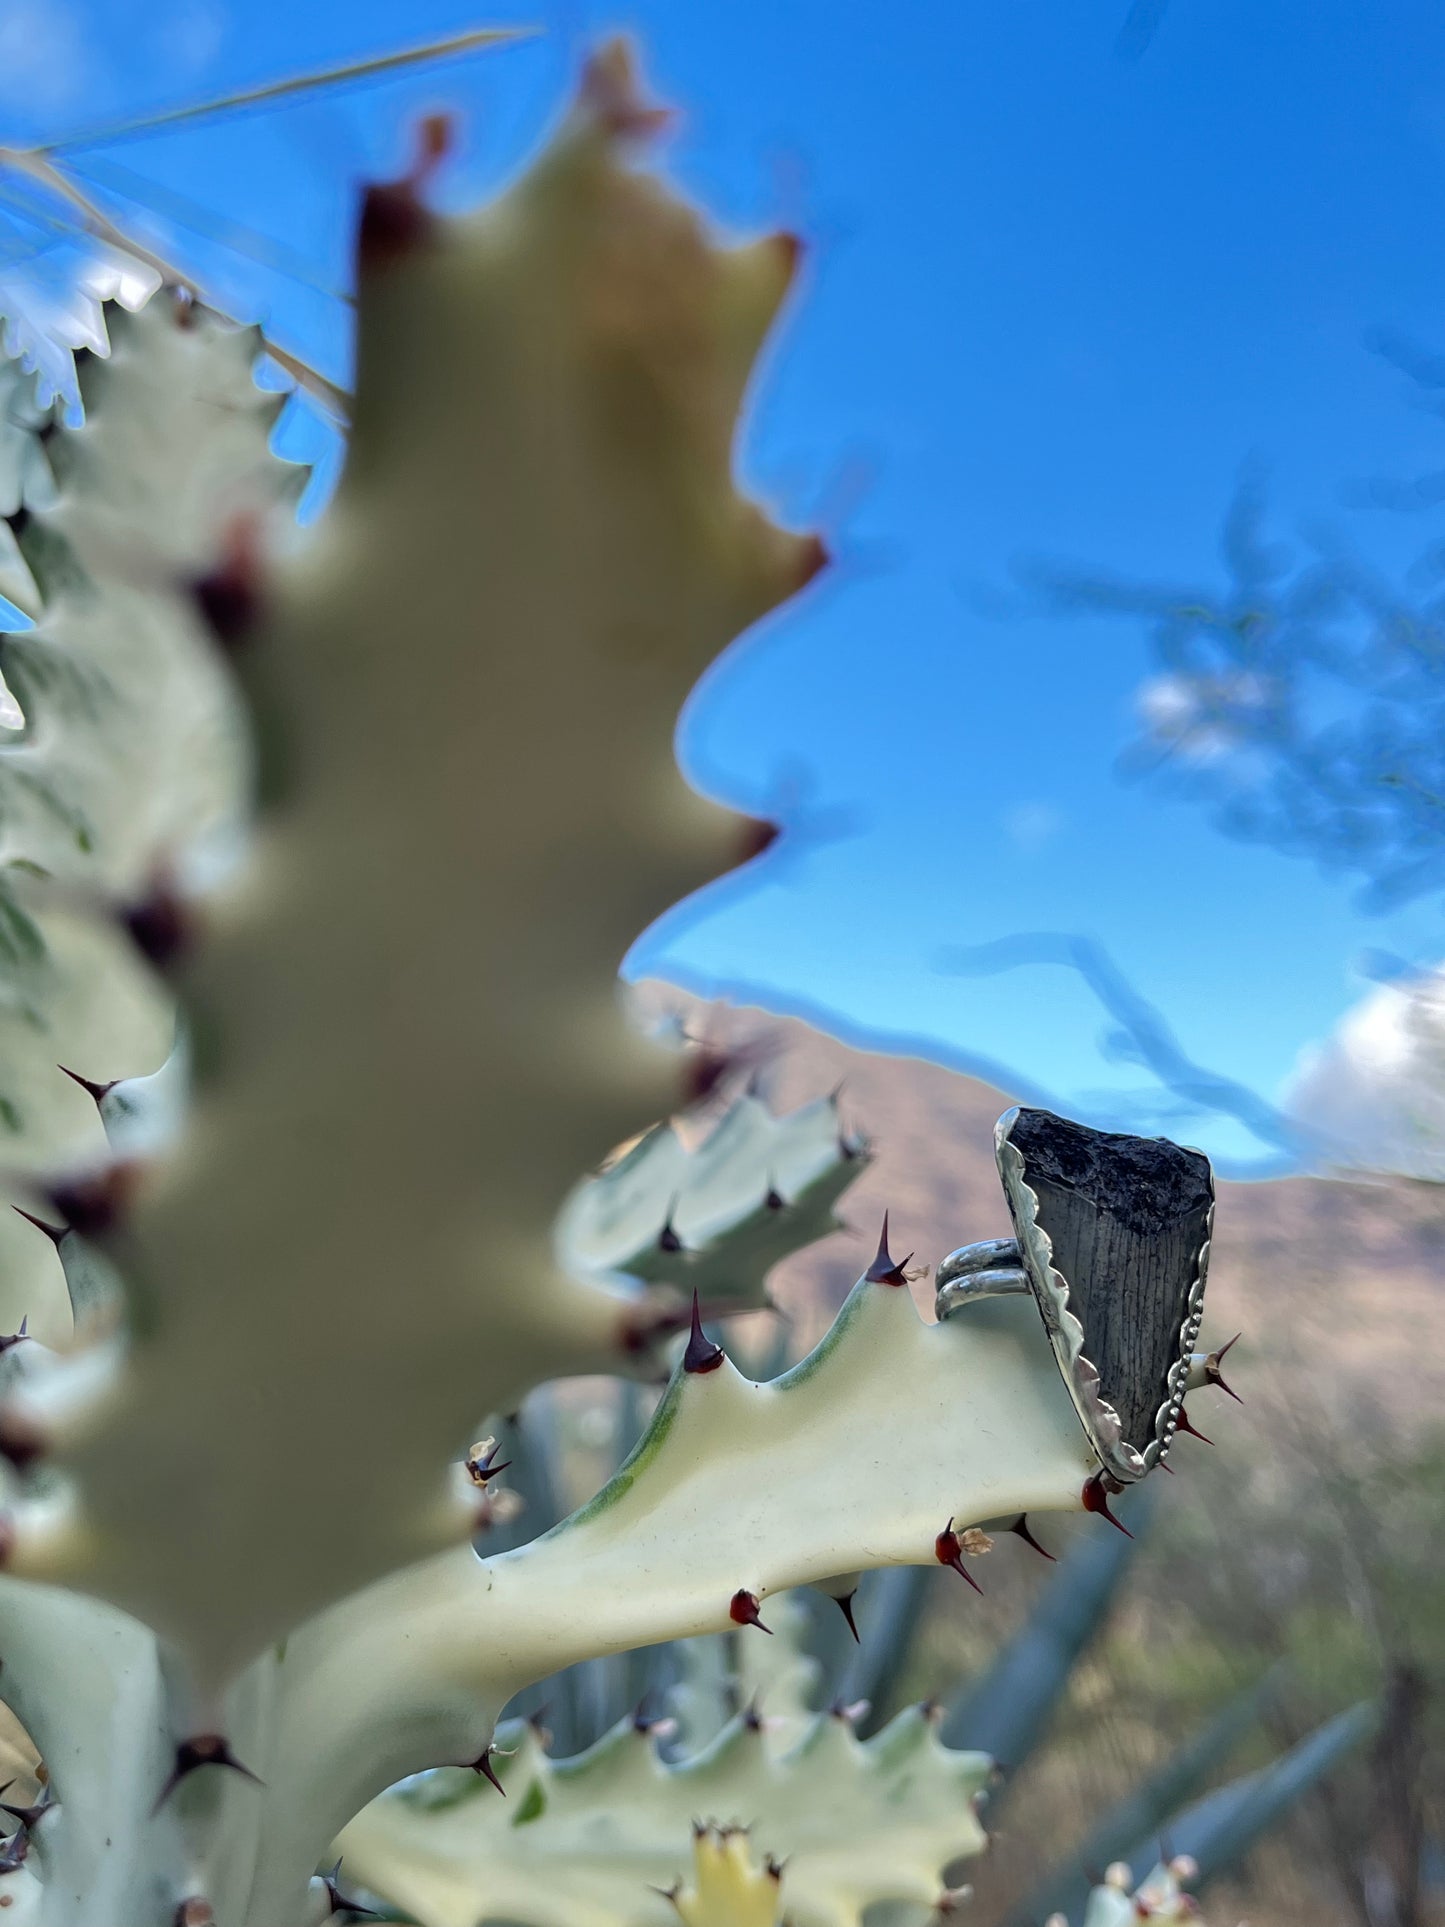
pixel 1338 1286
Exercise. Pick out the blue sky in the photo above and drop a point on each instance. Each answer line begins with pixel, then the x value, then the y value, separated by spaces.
pixel 1054 300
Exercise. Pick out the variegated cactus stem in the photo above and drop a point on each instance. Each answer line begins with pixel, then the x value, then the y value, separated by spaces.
pixel 1118 1902
pixel 241 1597
pixel 727 1887
pixel 856 1823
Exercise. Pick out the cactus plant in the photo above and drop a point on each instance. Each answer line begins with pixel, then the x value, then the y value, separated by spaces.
pixel 240 1597
pixel 595 1839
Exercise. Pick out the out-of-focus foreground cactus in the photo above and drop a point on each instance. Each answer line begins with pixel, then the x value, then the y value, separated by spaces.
pixel 240 1596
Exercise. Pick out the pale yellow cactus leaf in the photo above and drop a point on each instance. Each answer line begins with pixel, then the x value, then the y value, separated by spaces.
pixel 727 1887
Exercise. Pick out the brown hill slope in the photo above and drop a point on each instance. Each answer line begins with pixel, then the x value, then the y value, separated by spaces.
pixel 1339 1286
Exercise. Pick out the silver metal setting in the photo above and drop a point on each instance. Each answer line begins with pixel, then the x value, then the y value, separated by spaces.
pixel 992 1268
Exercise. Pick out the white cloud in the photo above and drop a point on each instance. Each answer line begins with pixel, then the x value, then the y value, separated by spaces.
pixel 1199 717
pixel 1372 1096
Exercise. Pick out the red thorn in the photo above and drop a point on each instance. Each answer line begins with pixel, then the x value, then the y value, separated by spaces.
pixel 228 597
pixel 483 1764
pixel 394 223
pixel 756 836
pixel 1095 1497
pixel 743 1609
pixel 159 926
pixel 97 1092
pixel 55 1232
pixel 883 1271
pixel 1184 1423
pixel 95 1205
pixel 30 1817
pixel 813 558
pixel 1020 1530
pixel 21 1440
pixel 948 1550
pixel 775 1201
pixel 1213 1373
pixel 342 1903
pixel 701 1354
pixel 1164 1466
pixel 702 1071
pixel 791 247
pixel 204 1749
pixel 845 1606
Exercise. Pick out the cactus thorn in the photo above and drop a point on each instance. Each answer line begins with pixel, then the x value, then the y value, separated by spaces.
pixel 850 1711
pixel 948 1550
pixel 701 1354
pixel 394 220
pixel 775 1201
pixel 752 1719
pixel 204 1749
pixel 483 1764
pixel 1213 1373
pixel 340 1903
pixel 743 1610
pixel 813 558
pixel 845 1606
pixel 21 1443
pixel 55 1232
pixel 883 1271
pixel 228 596
pixel 931 1710
pixel 94 1205
pixel 1020 1530
pixel 756 837
pixel 1095 1498
pixel 790 246
pixel 29 1817
pixel 88 1084
pixel 159 925
pixel 667 1238
pixel 17 1337
pixel 774 1868
pixel 1184 1424
pixel 1164 1465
